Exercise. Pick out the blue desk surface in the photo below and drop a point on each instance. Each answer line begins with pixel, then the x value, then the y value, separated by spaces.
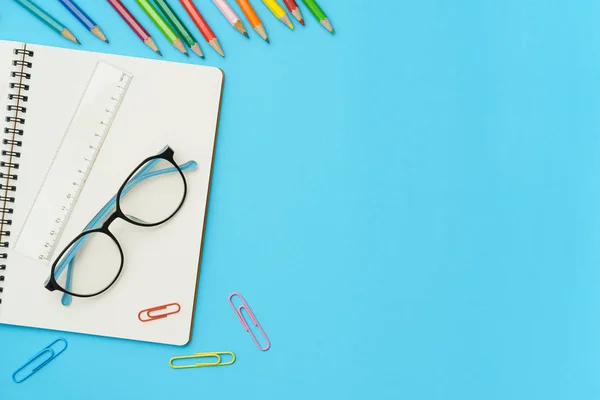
pixel 411 207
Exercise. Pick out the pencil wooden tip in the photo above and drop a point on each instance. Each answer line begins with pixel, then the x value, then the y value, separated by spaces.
pixel 239 26
pixel 327 25
pixel 179 46
pixel 196 49
pixel 260 29
pixel 99 34
pixel 68 35
pixel 298 15
pixel 286 20
pixel 217 46
pixel 150 43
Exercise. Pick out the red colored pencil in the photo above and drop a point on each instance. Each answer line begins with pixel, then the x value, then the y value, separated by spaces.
pixel 294 9
pixel 201 23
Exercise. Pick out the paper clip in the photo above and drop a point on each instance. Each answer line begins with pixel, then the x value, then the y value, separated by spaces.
pixel 150 317
pixel 217 355
pixel 246 307
pixel 48 352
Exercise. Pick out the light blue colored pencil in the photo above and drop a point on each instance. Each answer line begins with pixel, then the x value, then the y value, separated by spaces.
pixel 48 19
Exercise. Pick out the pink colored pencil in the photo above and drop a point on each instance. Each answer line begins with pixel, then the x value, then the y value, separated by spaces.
pixel 231 16
pixel 134 24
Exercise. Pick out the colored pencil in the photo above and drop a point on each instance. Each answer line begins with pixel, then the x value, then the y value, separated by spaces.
pixel 84 19
pixel 134 24
pixel 179 26
pixel 48 19
pixel 253 18
pixel 279 12
pixel 231 16
pixel 319 14
pixel 162 25
pixel 201 23
pixel 294 9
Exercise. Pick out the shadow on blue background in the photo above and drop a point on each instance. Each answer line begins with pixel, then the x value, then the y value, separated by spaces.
pixel 408 206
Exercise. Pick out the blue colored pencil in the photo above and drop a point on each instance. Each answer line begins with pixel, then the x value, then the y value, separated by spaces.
pixel 84 18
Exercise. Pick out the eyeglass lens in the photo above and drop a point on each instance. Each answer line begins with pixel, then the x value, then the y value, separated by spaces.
pixel 156 198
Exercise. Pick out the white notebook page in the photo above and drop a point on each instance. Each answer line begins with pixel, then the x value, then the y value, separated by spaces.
pixel 166 103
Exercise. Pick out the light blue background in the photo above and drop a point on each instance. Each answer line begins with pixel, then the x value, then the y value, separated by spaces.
pixel 410 207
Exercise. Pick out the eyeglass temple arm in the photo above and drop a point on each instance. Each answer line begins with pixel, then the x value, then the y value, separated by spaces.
pixel 140 176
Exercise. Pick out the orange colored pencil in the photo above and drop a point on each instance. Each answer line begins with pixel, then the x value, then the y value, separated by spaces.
pixel 253 18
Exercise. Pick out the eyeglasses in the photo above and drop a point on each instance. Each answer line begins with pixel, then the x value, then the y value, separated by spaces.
pixel 150 196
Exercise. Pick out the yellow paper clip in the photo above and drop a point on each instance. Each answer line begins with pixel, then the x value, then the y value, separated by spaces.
pixel 217 355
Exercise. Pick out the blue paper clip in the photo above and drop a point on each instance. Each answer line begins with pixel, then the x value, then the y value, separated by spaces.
pixel 47 354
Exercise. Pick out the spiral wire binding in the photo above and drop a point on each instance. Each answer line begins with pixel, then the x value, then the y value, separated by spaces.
pixel 11 144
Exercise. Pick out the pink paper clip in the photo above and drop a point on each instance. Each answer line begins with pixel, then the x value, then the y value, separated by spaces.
pixel 238 312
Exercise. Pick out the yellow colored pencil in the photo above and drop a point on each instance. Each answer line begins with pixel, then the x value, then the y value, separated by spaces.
pixel 279 12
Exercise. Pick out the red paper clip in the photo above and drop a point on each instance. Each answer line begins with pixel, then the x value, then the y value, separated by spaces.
pixel 238 312
pixel 150 317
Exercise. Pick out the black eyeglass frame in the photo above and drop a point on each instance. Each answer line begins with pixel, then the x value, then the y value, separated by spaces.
pixel 168 155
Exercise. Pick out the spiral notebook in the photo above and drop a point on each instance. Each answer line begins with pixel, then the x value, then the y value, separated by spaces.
pixel 165 103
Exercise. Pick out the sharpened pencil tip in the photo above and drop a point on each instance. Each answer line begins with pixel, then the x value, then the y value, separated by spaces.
pixel 268 41
pixel 327 25
pixel 246 34
pixel 107 41
pixel 78 42
pixel 159 53
pixel 302 22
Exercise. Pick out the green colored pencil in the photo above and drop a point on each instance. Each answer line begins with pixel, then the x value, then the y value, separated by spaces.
pixel 319 14
pixel 162 25
pixel 48 19
pixel 181 29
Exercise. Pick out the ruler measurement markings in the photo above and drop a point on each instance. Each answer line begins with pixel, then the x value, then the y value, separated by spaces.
pixel 84 172
pixel 72 174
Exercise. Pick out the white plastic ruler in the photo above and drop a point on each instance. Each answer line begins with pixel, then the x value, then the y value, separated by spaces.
pixel 73 162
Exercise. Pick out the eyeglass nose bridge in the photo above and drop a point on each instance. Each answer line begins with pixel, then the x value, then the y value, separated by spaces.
pixel 116 215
